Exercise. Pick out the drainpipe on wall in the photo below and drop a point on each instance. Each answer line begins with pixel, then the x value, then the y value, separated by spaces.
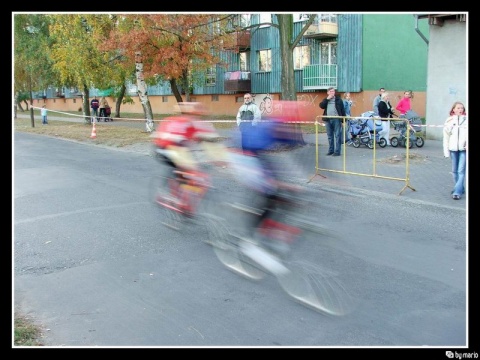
pixel 418 31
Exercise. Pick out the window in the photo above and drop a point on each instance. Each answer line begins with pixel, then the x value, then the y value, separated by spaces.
pixel 301 57
pixel 210 76
pixel 164 99
pixel 265 19
pixel 242 20
pixel 215 97
pixel 265 60
pixel 331 18
pixel 300 17
pixel 245 61
pixel 328 53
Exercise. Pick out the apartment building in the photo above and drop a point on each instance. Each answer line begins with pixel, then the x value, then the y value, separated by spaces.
pixel 353 52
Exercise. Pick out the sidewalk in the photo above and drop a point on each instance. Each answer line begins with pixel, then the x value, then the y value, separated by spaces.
pixel 428 180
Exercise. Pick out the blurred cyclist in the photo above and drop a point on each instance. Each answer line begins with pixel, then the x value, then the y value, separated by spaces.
pixel 176 135
pixel 255 168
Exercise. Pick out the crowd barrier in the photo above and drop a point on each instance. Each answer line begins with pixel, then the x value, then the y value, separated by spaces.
pixel 373 174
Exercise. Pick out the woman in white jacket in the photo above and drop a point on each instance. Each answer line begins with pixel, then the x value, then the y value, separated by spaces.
pixel 455 146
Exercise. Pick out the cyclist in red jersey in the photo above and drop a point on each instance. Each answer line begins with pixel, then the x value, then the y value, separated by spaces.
pixel 175 136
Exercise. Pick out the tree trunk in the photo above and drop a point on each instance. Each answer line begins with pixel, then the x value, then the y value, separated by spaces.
pixel 86 104
pixel 285 24
pixel 142 92
pixel 285 27
pixel 32 119
pixel 176 93
pixel 121 95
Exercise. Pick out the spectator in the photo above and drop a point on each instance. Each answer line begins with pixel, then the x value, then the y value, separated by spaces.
pixel 377 100
pixel 332 105
pixel 43 112
pixel 248 115
pixel 103 105
pixel 455 146
pixel 347 104
pixel 405 103
pixel 94 104
pixel 385 112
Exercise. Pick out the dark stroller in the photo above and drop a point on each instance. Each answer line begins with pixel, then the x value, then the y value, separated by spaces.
pixel 106 114
pixel 414 125
pixel 365 130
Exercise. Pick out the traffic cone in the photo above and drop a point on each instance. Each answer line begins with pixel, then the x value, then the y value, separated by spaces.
pixel 94 132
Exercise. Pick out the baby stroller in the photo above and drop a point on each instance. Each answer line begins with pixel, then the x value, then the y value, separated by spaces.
pixel 414 126
pixel 106 115
pixel 364 129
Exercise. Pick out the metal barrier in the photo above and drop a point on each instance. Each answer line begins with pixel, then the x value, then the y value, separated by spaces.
pixel 374 174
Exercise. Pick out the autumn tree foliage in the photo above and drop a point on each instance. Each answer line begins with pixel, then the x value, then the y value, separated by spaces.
pixel 32 65
pixel 173 47
pixel 75 53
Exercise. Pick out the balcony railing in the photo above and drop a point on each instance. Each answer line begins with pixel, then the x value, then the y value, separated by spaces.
pixel 317 77
pixel 237 81
pixel 322 29
pixel 242 41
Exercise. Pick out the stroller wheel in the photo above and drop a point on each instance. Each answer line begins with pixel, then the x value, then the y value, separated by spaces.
pixel 394 141
pixel 410 143
pixel 370 144
pixel 419 141
pixel 356 143
pixel 382 142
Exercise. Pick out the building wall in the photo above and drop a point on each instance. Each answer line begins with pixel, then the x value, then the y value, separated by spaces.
pixel 394 54
pixel 447 72
pixel 228 104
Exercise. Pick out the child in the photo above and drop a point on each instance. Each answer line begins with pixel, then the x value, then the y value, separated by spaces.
pixel 43 112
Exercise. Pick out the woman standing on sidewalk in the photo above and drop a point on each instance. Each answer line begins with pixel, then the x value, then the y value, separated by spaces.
pixel 385 112
pixel 455 146
pixel 405 104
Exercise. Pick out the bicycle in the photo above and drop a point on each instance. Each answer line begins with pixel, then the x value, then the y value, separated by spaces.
pixel 276 249
pixel 179 197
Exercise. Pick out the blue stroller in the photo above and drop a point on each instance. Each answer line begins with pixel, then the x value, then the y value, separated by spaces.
pixel 365 130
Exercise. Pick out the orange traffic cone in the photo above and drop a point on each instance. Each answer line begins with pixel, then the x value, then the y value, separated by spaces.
pixel 94 132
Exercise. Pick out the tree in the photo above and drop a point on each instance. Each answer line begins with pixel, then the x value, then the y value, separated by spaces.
pixel 33 68
pixel 78 55
pixel 176 48
pixel 287 45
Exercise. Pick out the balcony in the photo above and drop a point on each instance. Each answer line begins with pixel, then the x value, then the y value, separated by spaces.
pixel 242 41
pixel 319 77
pixel 237 81
pixel 322 30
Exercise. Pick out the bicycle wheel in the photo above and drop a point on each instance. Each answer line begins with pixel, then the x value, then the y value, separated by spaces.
pixel 317 286
pixel 226 248
pixel 160 195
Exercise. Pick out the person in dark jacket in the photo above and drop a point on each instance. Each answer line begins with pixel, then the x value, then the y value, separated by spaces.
pixel 333 106
pixel 385 112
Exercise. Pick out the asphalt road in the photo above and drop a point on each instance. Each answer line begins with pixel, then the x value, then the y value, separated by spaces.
pixel 93 265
